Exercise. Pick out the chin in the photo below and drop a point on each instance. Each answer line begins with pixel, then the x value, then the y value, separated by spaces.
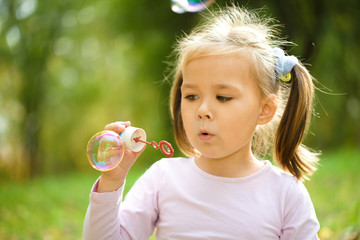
pixel 212 155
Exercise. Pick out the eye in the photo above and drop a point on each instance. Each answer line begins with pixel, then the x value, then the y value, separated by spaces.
pixel 223 98
pixel 191 97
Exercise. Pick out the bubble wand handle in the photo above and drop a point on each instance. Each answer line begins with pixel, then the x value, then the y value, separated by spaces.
pixel 165 147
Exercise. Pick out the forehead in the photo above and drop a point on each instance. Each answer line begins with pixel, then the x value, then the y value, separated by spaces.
pixel 219 69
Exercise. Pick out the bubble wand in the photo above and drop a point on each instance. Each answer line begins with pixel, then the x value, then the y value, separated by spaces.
pixel 105 149
pixel 165 147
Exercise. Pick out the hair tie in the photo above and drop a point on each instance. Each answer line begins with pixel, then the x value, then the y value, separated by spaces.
pixel 284 64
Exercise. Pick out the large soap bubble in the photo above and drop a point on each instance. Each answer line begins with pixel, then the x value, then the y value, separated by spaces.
pixel 105 150
pixel 181 6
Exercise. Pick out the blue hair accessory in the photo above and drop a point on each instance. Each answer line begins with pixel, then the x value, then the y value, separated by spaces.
pixel 284 64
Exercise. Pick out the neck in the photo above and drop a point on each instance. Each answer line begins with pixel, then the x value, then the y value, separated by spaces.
pixel 233 166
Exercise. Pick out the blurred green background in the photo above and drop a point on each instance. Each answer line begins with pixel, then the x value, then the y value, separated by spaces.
pixel 68 68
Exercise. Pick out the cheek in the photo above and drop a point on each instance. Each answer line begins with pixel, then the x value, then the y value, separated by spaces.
pixel 241 121
pixel 186 116
pixel 187 110
pixel 183 114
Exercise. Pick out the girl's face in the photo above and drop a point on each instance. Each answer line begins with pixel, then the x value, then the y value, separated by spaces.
pixel 221 105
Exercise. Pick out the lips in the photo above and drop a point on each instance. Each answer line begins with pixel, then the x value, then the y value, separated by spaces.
pixel 205 136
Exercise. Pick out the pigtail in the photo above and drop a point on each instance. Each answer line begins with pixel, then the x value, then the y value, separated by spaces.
pixel 289 151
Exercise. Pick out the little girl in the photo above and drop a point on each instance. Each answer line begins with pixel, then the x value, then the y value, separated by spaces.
pixel 234 94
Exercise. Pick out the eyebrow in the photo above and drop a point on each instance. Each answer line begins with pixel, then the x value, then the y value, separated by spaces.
pixel 225 86
pixel 188 85
pixel 220 86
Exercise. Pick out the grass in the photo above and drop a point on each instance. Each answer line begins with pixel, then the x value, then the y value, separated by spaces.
pixel 335 192
pixel 54 207
pixel 47 207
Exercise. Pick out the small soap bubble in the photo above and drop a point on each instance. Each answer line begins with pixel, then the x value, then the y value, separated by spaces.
pixel 181 6
pixel 105 150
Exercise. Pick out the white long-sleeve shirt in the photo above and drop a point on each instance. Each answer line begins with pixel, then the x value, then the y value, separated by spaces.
pixel 184 202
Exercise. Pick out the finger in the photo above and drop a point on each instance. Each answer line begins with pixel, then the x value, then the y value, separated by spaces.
pixel 130 158
pixel 126 124
pixel 118 127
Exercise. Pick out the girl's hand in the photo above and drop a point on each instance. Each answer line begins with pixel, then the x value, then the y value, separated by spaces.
pixel 115 178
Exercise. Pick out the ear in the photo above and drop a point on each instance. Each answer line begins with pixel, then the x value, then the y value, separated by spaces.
pixel 268 109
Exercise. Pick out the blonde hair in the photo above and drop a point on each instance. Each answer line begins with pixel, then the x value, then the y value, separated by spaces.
pixel 232 31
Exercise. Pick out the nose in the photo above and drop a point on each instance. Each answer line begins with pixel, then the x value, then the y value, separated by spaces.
pixel 204 112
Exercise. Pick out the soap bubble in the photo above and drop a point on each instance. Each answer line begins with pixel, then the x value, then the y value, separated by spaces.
pixel 105 150
pixel 181 6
